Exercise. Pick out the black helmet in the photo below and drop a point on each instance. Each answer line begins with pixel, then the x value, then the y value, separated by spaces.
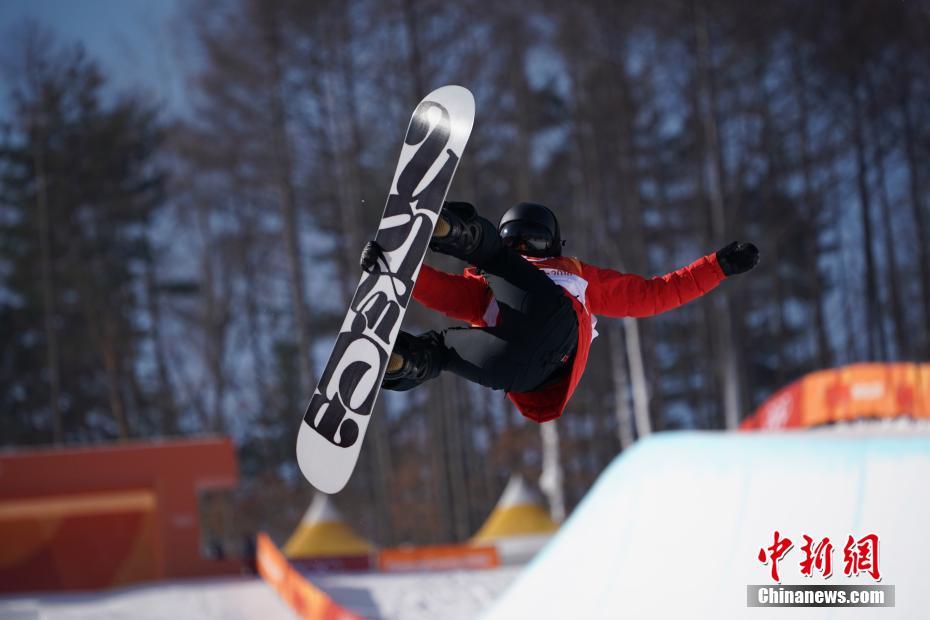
pixel 531 229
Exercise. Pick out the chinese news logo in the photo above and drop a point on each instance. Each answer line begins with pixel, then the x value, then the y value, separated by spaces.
pixel 860 557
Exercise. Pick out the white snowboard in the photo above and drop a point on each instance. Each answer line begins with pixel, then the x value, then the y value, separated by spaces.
pixel 337 417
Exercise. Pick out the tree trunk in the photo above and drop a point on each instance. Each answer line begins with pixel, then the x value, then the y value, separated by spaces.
pixel 165 398
pixel 622 410
pixel 769 191
pixel 713 172
pixel 438 413
pixel 250 270
pixel 634 355
pixel 813 213
pixel 381 465
pixel 52 362
pixel 551 479
pixel 111 364
pixel 412 27
pixel 870 300
pixel 284 168
pixel 345 139
pixel 456 428
pixel 898 322
pixel 213 323
pixel 918 214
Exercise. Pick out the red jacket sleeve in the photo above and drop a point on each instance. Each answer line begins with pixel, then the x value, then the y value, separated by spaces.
pixel 456 296
pixel 615 294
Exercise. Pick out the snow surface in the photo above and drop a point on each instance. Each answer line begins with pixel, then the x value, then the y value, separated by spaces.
pixel 229 598
pixel 450 595
pixel 673 528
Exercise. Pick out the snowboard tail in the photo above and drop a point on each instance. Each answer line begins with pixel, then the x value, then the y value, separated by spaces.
pixel 334 425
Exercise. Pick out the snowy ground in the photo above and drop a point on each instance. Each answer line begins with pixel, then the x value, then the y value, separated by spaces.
pixel 229 598
pixel 450 595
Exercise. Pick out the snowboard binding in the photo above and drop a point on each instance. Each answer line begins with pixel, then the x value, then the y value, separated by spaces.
pixel 458 233
pixel 464 230
pixel 422 358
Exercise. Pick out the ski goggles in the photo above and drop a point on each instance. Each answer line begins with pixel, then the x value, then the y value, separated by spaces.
pixel 527 237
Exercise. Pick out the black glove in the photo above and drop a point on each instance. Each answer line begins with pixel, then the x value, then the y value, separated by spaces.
pixel 370 255
pixel 738 257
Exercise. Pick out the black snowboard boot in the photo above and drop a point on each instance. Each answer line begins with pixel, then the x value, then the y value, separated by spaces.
pixel 422 358
pixel 462 232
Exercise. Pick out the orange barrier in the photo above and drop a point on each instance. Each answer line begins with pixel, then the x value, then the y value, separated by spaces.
pixel 308 601
pixel 438 557
pixel 846 394
pixel 99 516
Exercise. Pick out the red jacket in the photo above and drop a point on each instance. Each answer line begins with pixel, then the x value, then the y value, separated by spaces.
pixel 593 291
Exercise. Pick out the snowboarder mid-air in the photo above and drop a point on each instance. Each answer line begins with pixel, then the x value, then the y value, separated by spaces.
pixel 532 311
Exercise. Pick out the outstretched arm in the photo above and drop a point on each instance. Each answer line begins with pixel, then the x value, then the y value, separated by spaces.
pixel 616 294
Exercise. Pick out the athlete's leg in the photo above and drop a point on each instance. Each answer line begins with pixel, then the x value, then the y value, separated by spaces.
pixel 515 360
pixel 484 355
pixel 515 356
pixel 487 356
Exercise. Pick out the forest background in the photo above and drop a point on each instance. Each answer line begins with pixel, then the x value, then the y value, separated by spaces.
pixel 173 270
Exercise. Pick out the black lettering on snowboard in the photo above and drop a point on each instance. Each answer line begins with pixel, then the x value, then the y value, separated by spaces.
pixel 352 378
